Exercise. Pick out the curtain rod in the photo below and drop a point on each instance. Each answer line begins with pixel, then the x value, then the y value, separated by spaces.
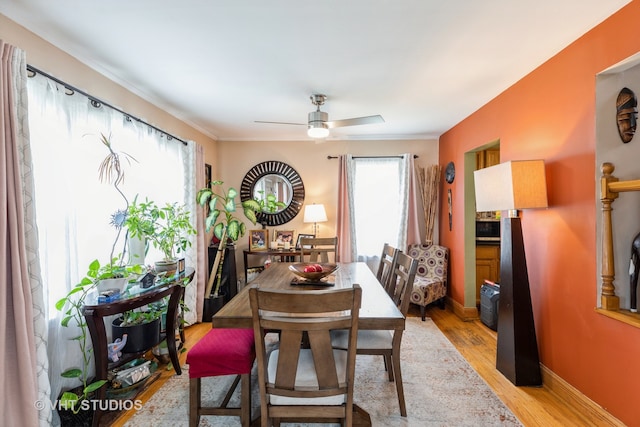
pixel 99 101
pixel 415 156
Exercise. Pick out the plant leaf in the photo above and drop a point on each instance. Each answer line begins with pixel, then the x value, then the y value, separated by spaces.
pixel 60 304
pixel 203 196
pixel 94 386
pixel 218 230
pixel 71 373
pixel 251 204
pixel 230 206
pixel 65 321
pixel 233 230
pixel 251 215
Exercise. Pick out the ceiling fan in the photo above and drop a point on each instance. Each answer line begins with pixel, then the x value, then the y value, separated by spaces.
pixel 319 124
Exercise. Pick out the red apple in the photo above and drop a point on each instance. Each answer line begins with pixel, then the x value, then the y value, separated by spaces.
pixel 318 267
pixel 309 269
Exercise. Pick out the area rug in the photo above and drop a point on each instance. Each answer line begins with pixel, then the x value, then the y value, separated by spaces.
pixel 441 389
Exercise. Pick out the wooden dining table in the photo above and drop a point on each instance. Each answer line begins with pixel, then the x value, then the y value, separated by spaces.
pixel 377 310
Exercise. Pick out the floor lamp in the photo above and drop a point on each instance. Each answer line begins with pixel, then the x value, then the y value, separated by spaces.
pixel 511 186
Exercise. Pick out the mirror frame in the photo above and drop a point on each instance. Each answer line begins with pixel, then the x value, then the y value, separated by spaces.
pixel 274 167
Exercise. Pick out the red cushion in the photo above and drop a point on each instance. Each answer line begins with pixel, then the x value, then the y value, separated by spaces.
pixel 222 352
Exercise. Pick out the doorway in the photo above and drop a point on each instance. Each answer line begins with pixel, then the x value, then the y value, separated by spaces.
pixel 482 258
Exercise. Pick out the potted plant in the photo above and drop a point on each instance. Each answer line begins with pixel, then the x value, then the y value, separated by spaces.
pixel 226 227
pixel 142 328
pixel 72 305
pixel 167 228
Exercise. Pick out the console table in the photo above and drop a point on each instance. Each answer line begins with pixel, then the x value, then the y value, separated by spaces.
pixel 95 314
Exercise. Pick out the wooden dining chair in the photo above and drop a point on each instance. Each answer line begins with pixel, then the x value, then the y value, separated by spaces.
pixel 386 266
pixel 317 249
pixel 311 382
pixel 385 342
pixel 222 352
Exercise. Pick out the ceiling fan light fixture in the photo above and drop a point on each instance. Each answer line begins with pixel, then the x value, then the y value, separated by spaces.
pixel 318 130
pixel 318 124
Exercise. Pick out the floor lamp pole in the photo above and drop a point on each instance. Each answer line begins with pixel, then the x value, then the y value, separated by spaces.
pixel 517 353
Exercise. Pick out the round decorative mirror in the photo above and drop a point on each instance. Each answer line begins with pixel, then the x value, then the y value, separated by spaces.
pixel 278 188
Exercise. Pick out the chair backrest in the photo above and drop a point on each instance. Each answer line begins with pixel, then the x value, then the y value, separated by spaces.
pixel 317 249
pixel 306 316
pixel 432 261
pixel 403 276
pixel 386 266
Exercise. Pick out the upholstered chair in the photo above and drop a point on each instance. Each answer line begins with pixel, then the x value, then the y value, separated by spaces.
pixel 430 284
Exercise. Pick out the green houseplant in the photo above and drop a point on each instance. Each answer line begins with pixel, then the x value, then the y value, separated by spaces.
pixel 222 208
pixel 166 227
pixel 72 305
pixel 142 327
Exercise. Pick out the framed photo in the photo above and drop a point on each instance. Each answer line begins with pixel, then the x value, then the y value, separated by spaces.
pixel 259 240
pixel 282 237
pixel 304 236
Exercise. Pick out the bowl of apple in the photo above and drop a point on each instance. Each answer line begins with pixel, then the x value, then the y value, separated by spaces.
pixel 312 271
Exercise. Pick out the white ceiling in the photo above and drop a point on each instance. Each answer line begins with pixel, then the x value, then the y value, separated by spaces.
pixel 424 65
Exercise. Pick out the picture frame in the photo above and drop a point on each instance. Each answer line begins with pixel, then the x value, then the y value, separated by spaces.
pixel 304 236
pixel 281 237
pixel 259 239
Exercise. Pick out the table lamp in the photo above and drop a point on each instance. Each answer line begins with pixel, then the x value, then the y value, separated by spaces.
pixel 315 214
pixel 511 186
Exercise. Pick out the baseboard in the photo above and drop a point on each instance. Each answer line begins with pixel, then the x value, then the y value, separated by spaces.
pixel 465 313
pixel 553 382
pixel 572 396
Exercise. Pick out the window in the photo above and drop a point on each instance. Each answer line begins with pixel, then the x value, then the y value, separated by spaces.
pixel 378 192
pixel 73 208
pixel 377 198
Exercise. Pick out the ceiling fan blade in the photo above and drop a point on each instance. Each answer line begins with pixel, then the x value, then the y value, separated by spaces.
pixel 367 120
pixel 280 123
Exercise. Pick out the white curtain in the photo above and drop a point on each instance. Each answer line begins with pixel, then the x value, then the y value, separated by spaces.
pixel 73 208
pixel 381 192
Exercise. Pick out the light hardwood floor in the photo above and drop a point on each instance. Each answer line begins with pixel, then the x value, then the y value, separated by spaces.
pixel 534 406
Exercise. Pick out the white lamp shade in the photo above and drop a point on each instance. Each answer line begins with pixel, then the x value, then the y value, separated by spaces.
pixel 315 213
pixel 517 184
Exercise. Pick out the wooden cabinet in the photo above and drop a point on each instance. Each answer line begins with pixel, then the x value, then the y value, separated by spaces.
pixel 487 266
pixel 486 158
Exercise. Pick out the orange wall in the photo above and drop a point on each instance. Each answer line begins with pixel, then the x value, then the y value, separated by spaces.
pixel 550 114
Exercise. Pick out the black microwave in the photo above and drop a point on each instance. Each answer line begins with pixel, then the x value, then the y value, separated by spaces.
pixel 488 230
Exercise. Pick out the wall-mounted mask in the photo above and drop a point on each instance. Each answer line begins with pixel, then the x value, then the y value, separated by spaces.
pixel 626 114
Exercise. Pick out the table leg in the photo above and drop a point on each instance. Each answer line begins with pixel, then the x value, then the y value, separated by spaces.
pixel 174 300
